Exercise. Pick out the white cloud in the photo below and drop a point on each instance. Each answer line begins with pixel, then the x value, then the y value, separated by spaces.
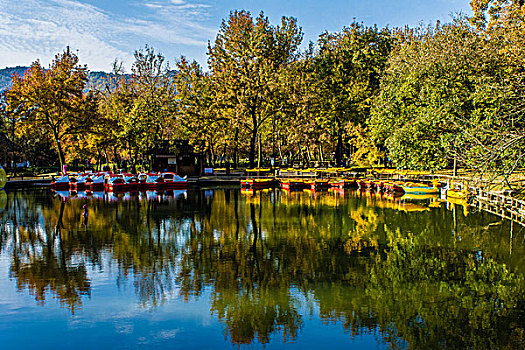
pixel 39 29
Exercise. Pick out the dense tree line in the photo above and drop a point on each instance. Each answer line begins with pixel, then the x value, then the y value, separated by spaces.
pixel 428 97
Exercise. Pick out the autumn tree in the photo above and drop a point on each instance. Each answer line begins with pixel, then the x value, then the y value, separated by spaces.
pixel 245 62
pixel 141 109
pixel 116 105
pixel 52 100
pixel 495 10
pixel 203 123
pixel 154 104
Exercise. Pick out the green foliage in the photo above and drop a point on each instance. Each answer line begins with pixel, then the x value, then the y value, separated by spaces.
pixel 438 82
pixel 245 63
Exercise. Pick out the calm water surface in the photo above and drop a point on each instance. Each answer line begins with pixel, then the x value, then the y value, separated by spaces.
pixel 221 268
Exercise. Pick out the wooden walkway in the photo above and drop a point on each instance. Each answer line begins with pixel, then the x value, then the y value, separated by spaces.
pixel 492 202
pixel 496 203
pixel 499 204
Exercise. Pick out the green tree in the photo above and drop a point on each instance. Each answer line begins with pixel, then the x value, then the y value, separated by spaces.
pixel 440 81
pixel 348 70
pixel 245 62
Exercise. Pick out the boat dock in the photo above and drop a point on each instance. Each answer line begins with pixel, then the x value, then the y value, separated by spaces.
pixel 492 202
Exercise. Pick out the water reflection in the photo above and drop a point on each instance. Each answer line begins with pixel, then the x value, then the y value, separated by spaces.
pixel 417 272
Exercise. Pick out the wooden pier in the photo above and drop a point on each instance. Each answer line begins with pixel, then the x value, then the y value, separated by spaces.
pixel 499 204
pixel 493 202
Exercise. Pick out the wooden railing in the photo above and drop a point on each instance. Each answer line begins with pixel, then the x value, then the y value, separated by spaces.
pixel 499 204
pixel 496 203
pixel 32 177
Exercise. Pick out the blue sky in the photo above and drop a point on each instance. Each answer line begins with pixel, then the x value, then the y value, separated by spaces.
pixel 102 30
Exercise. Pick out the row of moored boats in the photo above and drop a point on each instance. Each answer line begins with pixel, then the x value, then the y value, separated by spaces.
pixel 107 181
pixel 386 186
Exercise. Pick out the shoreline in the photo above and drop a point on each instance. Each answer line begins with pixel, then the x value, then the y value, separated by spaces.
pixel 192 182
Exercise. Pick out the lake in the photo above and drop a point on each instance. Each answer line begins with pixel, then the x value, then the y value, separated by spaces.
pixel 225 268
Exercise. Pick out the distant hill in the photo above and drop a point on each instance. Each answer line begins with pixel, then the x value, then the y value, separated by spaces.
pixel 97 80
pixel 7 73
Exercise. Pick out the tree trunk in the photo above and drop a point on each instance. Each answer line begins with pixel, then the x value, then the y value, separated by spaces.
pixel 117 157
pixel 236 150
pixel 61 157
pixel 253 141
pixel 259 153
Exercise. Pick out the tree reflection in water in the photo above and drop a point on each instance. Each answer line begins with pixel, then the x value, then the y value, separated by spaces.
pixel 413 273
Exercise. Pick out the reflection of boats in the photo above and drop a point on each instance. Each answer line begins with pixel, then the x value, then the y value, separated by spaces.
pixel 393 195
pixel 460 202
pixel 432 199
pixel 392 186
pixel 390 201
pixel 247 191
pixel 420 196
pixel 316 184
pixel 343 183
pixel 63 193
pixel 410 207
pixel 292 184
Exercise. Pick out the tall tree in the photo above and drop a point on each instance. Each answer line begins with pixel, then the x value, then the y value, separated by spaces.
pixel 141 109
pixel 245 62
pixel 154 104
pixel 206 126
pixel 498 144
pixel 349 66
pixel 440 80
pixel 52 100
